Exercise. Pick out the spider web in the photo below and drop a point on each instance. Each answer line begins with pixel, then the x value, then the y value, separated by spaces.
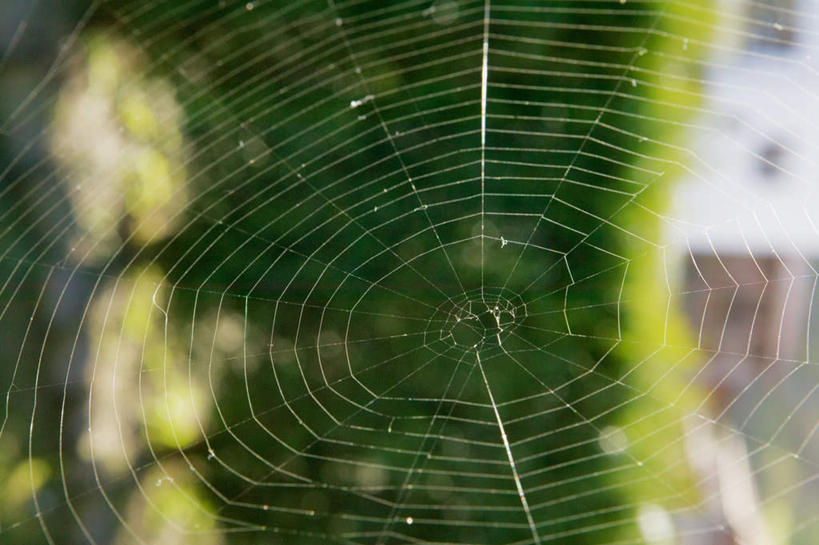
pixel 409 272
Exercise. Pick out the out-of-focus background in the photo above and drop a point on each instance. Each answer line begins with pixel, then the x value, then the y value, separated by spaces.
pixel 422 271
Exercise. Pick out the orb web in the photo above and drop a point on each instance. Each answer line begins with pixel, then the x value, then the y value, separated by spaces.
pixel 408 272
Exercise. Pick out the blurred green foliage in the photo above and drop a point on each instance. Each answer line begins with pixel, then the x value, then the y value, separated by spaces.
pixel 331 161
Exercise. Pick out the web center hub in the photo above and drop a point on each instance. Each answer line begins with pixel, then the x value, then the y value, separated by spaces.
pixel 477 320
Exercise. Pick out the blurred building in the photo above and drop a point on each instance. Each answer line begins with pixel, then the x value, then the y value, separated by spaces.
pixel 749 210
pixel 747 230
